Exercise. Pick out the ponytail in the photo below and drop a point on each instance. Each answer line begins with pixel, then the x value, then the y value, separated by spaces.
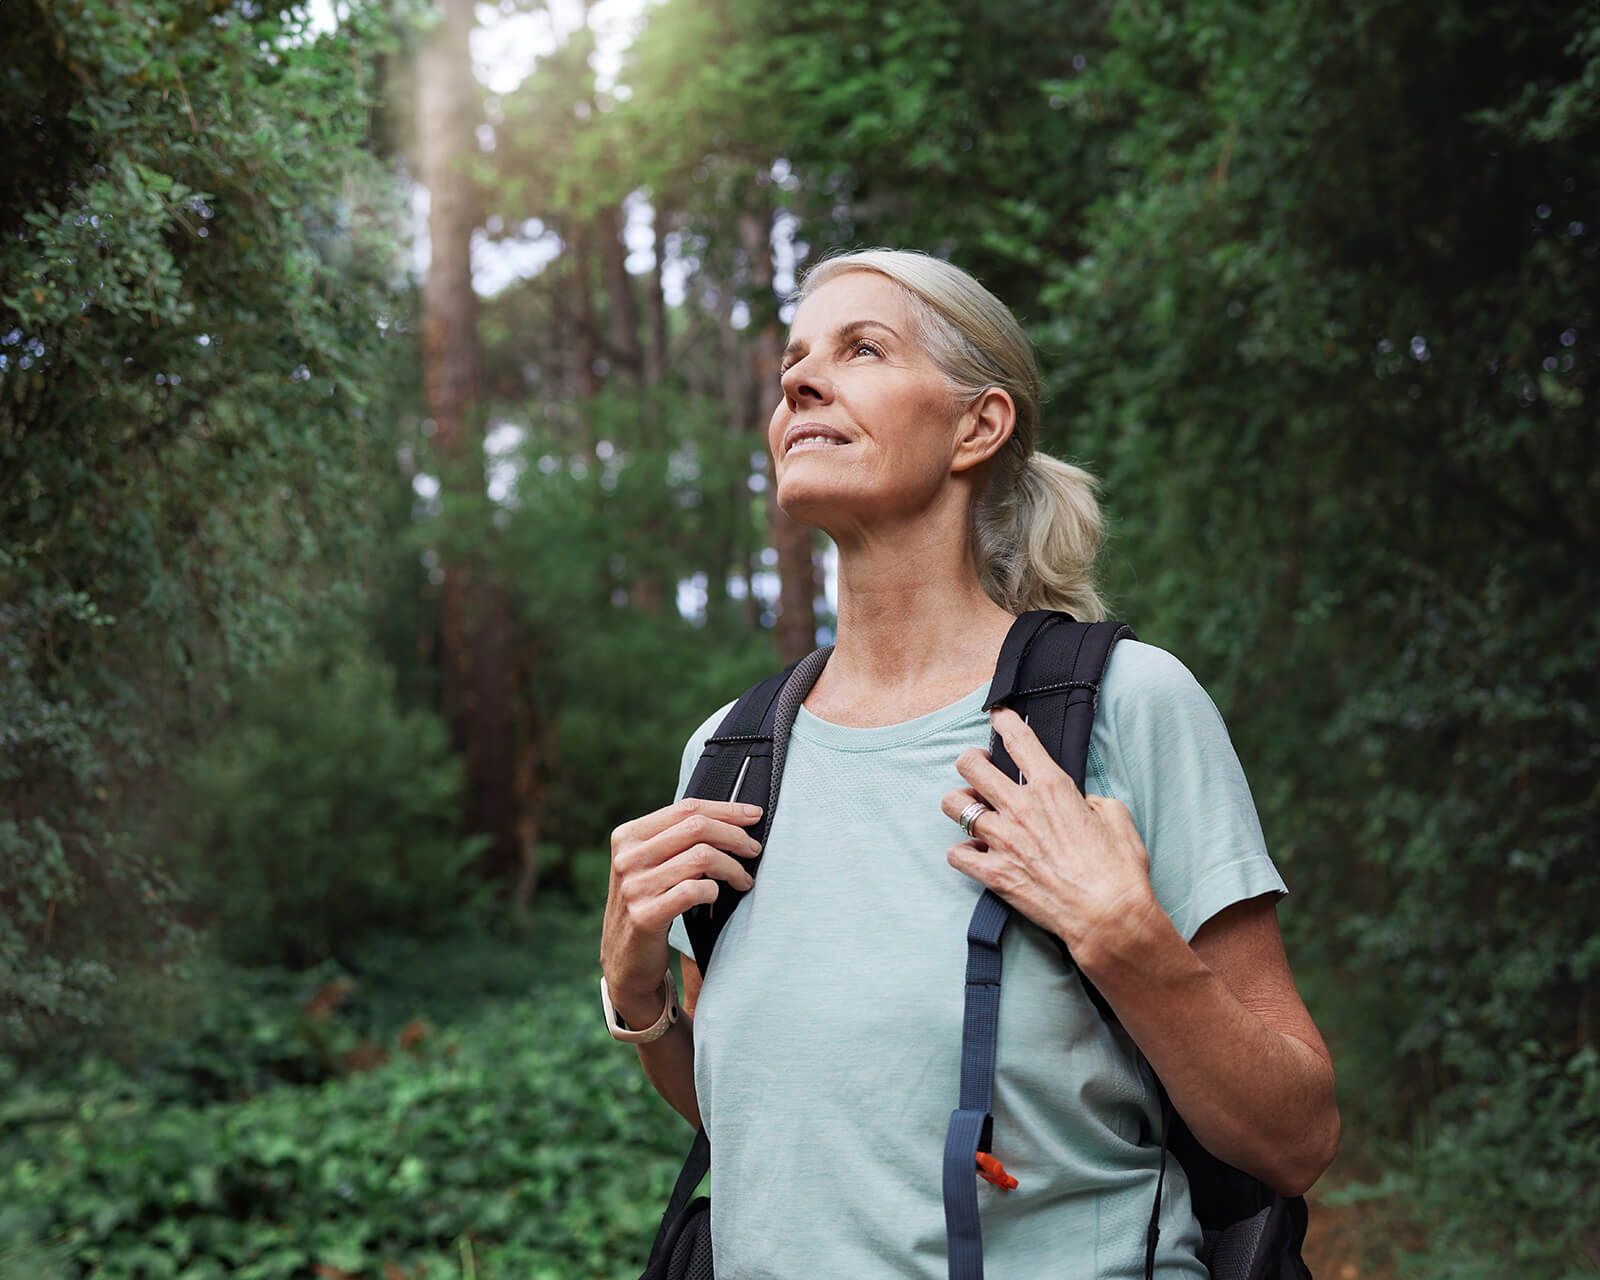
pixel 1037 530
pixel 1036 526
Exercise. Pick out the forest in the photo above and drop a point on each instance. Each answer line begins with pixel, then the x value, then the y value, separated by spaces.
pixel 384 498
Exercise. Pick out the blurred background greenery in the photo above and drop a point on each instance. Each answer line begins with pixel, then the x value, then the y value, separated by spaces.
pixel 383 500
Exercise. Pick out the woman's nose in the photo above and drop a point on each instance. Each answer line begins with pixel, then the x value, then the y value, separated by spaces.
pixel 802 383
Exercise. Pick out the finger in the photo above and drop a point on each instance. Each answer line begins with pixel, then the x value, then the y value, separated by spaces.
pixel 972 859
pixel 1112 811
pixel 653 824
pixel 701 861
pixel 695 829
pixel 988 829
pixel 654 913
pixel 955 802
pixel 988 783
pixel 964 857
pixel 1024 747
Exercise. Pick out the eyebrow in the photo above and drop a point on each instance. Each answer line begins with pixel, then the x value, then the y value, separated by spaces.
pixel 844 332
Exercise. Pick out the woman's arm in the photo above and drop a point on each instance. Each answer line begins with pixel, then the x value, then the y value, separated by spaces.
pixel 1223 1026
pixel 662 864
pixel 669 1062
pixel 1219 1020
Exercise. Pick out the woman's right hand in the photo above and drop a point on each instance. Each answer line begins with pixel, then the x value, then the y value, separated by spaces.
pixel 661 865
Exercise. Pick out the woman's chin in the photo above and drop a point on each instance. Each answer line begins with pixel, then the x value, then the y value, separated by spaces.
pixel 820 483
pixel 802 504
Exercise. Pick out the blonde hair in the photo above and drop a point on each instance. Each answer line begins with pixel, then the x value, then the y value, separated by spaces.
pixel 1035 523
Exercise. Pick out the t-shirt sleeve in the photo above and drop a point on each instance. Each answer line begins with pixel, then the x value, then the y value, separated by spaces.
pixel 678 936
pixel 1164 751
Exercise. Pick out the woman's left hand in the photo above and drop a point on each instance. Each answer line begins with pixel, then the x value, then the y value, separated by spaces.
pixel 1073 864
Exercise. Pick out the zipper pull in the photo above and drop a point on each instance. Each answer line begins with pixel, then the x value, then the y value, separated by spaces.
pixel 991 1170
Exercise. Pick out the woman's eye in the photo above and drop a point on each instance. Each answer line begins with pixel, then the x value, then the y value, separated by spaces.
pixel 868 347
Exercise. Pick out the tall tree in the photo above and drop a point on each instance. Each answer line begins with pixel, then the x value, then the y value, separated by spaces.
pixel 475 623
pixel 796 630
pixel 1335 341
pixel 198 346
pixel 625 351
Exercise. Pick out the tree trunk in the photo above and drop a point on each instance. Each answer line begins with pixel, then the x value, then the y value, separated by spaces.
pixel 624 311
pixel 738 395
pixel 586 379
pixel 655 366
pixel 796 632
pixel 476 629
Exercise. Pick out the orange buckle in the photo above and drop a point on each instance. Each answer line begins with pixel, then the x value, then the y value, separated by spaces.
pixel 991 1170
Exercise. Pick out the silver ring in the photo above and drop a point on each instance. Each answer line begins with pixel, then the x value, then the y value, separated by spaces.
pixel 971 814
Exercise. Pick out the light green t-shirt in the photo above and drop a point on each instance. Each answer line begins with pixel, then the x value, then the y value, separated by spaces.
pixel 828 1031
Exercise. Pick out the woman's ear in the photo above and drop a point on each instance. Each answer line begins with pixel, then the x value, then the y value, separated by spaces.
pixel 983 429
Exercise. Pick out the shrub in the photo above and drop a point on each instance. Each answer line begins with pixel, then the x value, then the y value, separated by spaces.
pixel 515 1141
pixel 324 813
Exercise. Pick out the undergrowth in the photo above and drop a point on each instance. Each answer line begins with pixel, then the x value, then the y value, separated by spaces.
pixel 454 1108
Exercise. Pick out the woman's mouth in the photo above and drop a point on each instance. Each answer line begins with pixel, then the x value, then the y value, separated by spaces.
pixel 811 435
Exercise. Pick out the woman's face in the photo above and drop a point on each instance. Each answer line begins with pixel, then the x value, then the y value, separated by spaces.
pixel 866 430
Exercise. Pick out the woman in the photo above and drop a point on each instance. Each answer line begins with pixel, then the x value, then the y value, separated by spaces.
pixel 822 1051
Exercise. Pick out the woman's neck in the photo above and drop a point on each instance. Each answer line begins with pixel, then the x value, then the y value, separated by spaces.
pixel 916 630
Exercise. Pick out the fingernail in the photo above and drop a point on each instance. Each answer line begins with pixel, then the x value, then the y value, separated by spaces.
pixel 750 810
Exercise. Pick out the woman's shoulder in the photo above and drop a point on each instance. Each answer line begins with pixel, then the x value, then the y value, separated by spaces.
pixel 697 743
pixel 1140 673
pixel 1149 698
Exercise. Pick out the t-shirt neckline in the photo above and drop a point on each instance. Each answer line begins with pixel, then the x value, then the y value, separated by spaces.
pixel 840 737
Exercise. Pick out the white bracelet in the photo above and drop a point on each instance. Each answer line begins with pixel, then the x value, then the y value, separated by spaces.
pixel 663 1024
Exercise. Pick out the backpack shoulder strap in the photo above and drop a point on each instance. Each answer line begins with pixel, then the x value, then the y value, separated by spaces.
pixel 743 760
pixel 1049 671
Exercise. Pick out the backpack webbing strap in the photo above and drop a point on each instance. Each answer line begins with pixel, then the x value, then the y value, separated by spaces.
pixel 695 1168
pixel 972 1122
pixel 1061 712
pixel 743 760
pixel 1153 1232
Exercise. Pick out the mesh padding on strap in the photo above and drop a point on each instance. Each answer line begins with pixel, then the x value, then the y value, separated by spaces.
pixel 1233 1251
pixel 691 1253
pixel 786 709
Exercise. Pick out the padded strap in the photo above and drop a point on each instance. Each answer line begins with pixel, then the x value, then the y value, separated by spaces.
pixel 743 760
pixel 1049 671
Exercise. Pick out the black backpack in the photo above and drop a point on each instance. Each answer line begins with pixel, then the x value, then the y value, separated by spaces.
pixel 1049 671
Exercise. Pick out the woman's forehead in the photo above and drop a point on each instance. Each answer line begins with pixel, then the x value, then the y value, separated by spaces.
pixel 851 298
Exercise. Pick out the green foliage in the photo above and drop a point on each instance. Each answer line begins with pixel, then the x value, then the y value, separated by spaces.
pixel 593 548
pixel 938 126
pixel 198 291
pixel 1333 339
pixel 321 814
pixel 519 1137
pixel 1315 287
